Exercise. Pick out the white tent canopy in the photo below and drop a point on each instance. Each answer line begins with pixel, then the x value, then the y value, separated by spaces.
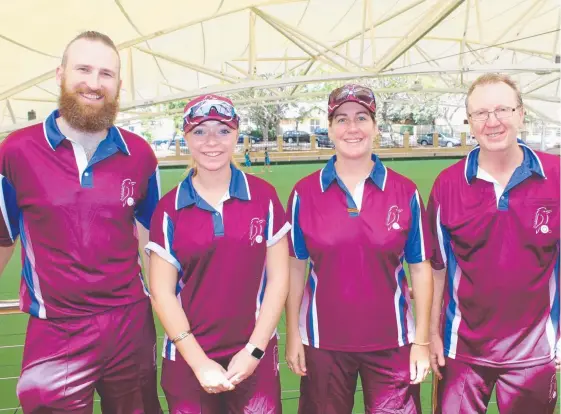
pixel 174 49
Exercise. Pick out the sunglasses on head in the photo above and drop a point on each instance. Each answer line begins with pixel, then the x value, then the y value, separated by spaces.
pixel 211 107
pixel 348 92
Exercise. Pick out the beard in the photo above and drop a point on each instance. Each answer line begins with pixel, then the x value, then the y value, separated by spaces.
pixel 84 117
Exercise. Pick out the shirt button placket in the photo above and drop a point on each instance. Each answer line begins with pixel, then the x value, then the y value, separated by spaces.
pixel 87 178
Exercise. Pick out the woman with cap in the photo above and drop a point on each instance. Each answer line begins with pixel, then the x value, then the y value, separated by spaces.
pixel 219 275
pixel 356 221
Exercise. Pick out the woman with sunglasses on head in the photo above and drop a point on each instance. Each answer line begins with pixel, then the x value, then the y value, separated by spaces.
pixel 219 275
pixel 356 221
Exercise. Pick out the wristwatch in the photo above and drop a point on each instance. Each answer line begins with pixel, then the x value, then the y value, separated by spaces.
pixel 254 351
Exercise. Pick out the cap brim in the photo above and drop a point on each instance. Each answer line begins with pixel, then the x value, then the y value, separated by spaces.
pixel 331 111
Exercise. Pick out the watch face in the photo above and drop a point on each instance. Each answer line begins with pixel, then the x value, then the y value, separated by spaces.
pixel 257 353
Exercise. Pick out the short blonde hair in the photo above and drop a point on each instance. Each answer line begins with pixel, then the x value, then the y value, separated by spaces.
pixel 491 78
pixel 92 36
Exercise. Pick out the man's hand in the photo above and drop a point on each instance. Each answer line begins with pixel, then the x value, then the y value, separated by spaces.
pixel 294 354
pixel 436 355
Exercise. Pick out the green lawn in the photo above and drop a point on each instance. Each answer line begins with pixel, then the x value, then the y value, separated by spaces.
pixel 283 177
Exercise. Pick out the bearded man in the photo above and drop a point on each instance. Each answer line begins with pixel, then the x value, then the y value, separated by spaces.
pixel 80 192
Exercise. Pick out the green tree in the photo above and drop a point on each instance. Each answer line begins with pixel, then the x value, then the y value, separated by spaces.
pixel 305 112
pixel 266 115
pixel 174 108
pixel 148 135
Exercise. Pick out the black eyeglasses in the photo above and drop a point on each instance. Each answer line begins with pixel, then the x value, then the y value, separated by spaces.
pixel 501 112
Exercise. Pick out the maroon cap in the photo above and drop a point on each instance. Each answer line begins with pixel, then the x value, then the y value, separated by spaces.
pixel 351 93
pixel 210 108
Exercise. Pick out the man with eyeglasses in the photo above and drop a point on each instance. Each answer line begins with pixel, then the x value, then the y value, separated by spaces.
pixel 495 220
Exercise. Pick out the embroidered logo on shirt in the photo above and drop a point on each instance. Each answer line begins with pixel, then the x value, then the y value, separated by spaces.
pixel 541 220
pixel 393 218
pixel 256 228
pixel 127 192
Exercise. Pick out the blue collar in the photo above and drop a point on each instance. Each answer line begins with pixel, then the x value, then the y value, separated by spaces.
pixel 187 195
pixel 531 162
pixel 378 175
pixel 54 136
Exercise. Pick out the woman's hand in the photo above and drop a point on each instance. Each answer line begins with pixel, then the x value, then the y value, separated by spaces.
pixel 241 367
pixel 212 377
pixel 419 363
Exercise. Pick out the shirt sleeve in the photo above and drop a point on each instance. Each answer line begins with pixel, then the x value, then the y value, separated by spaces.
pixel 277 225
pixel 297 244
pixel 145 208
pixel 417 246
pixel 438 258
pixel 9 224
pixel 162 229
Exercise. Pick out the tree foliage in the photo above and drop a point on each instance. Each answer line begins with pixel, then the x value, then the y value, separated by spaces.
pixel 393 107
pixel 265 114
pixel 177 116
